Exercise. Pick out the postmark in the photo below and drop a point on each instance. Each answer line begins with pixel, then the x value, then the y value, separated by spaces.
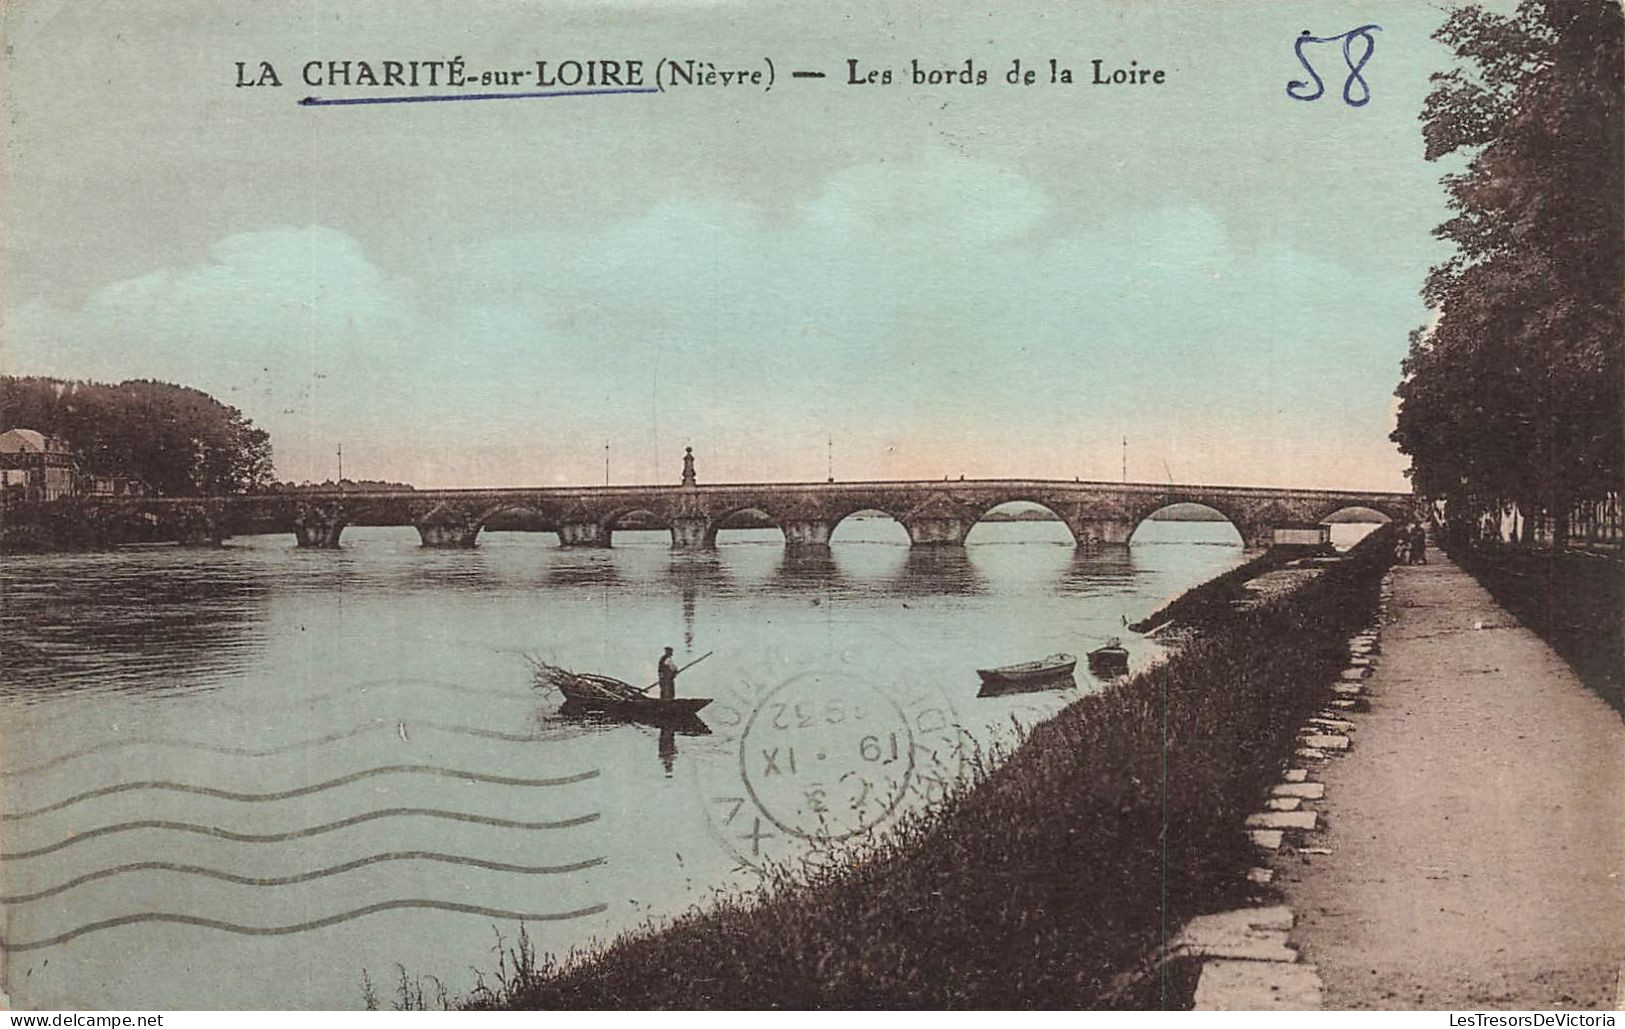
pixel 825 759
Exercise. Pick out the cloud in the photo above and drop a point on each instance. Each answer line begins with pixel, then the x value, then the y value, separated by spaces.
pixel 271 309
pixel 942 301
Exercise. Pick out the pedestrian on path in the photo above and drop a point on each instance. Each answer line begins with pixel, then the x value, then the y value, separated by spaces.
pixel 1419 545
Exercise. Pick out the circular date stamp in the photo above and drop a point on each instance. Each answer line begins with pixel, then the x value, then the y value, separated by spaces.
pixel 825 758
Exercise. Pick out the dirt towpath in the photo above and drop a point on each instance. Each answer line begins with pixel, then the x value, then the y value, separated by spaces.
pixel 1476 829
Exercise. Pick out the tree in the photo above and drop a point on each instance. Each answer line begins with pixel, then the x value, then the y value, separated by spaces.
pixel 176 439
pixel 1515 392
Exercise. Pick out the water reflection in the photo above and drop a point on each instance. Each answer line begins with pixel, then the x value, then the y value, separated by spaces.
pixel 929 571
pixel 1006 689
pixel 665 730
pixel 168 620
pixel 585 568
pixel 801 570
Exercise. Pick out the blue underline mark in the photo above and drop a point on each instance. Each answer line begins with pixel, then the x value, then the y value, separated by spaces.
pixel 316 101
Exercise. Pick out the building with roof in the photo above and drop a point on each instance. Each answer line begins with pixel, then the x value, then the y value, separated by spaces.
pixel 1301 534
pixel 34 466
pixel 114 486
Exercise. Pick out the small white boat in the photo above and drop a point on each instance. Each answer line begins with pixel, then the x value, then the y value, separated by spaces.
pixel 1053 667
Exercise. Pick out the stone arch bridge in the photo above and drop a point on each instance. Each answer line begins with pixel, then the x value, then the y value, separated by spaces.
pixel 935 513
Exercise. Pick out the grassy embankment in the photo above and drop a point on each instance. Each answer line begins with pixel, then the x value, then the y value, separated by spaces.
pixel 1208 602
pixel 1039 885
pixel 1573 600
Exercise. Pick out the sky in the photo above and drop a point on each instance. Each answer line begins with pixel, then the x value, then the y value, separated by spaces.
pixel 890 281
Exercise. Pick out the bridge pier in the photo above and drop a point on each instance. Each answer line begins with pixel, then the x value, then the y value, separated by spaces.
pixel 689 534
pixel 320 537
pixel 1103 531
pixel 938 532
pixel 805 533
pixel 318 528
pixel 583 534
pixel 448 536
pixel 201 534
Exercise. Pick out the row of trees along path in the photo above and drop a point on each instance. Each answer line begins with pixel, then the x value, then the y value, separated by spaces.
pixel 1512 394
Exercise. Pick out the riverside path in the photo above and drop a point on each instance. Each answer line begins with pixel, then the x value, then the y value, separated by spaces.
pixel 1477 828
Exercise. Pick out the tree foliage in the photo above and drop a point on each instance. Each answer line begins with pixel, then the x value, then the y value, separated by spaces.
pixel 1514 394
pixel 176 439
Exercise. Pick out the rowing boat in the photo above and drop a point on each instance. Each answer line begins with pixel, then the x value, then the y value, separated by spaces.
pixel 1055 666
pixel 1112 659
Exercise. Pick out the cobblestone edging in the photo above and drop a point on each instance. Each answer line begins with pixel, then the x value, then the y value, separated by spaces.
pixel 1247 963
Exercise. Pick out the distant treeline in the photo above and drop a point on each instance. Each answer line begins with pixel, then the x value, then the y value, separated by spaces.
pixel 177 440
pixel 344 486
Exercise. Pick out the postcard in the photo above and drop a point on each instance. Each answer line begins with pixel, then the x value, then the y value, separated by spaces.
pixel 603 503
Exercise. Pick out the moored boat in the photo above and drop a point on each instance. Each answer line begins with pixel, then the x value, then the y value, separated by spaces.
pixel 1111 659
pixel 1056 666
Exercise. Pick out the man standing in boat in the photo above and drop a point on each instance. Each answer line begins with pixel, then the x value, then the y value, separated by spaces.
pixel 668 676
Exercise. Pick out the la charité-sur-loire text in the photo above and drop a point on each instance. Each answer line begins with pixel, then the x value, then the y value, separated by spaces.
pixel 632 73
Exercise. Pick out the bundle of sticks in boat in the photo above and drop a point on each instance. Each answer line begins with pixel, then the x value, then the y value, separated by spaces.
pixel 577 684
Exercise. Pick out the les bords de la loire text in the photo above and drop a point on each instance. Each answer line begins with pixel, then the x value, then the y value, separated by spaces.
pixel 673 73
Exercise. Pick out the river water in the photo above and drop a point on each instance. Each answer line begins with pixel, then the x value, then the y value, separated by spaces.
pixel 242 777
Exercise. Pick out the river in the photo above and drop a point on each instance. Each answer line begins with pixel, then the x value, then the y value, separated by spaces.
pixel 241 777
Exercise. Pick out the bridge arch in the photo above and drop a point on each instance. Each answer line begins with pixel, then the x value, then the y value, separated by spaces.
pixel 482 521
pixel 718 523
pixel 1355 513
pixel 1244 527
pixel 1071 530
pixel 897 533
pixel 1352 523
pixel 1385 512
pixel 652 521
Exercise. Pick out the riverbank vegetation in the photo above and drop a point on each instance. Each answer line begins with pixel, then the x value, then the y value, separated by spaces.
pixel 1048 881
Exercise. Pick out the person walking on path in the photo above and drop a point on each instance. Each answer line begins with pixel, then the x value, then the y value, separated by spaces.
pixel 1477 858
pixel 1419 544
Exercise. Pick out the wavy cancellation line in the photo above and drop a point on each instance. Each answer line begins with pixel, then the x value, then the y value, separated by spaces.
pixel 300 791
pixel 285 930
pixel 301 702
pixel 302 877
pixel 398 726
pixel 294 834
